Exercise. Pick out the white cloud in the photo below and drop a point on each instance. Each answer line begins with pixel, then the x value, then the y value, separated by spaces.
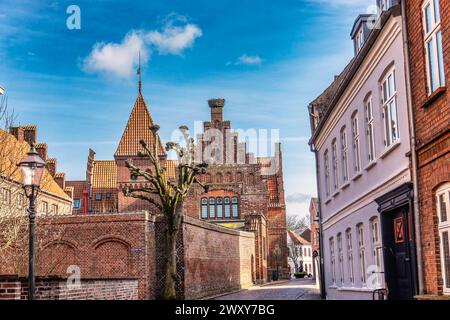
pixel 174 39
pixel 117 59
pixel 120 59
pixel 248 60
pixel 298 197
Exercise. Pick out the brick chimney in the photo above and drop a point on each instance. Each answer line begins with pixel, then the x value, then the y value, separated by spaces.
pixel 42 148
pixel 60 179
pixel 216 106
pixel 51 166
pixel 90 166
pixel 18 133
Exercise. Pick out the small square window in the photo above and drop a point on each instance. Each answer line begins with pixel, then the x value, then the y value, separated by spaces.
pixel 76 203
pixel 98 196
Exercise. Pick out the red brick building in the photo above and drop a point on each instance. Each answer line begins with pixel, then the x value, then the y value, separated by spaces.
pixel 246 193
pixel 428 36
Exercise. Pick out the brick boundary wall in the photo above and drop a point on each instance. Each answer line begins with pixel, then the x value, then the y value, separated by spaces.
pixel 216 259
pixel 15 288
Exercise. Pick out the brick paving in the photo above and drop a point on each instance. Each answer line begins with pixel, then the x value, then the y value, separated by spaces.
pixel 296 289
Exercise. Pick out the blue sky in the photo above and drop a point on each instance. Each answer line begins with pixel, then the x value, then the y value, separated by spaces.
pixel 268 59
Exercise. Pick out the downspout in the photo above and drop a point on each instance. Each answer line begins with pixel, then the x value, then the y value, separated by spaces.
pixel 323 293
pixel 417 224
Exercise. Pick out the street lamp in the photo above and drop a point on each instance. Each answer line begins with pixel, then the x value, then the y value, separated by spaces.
pixel 32 167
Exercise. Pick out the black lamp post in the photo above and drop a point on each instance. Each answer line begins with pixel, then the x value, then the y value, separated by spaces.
pixel 32 170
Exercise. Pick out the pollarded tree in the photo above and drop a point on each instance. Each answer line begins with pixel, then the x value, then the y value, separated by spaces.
pixel 168 195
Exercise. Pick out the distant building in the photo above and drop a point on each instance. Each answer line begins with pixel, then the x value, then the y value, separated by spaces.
pixel 361 138
pixel 300 252
pixel 246 192
pixel 53 199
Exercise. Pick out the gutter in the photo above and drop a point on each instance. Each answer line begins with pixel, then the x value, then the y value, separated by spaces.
pixel 417 224
pixel 323 291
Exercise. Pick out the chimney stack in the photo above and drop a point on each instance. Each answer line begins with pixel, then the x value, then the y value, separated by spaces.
pixel 216 106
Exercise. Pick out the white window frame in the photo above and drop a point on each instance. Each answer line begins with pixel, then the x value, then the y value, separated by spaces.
pixel 443 203
pixel 362 253
pixel 356 144
pixel 385 5
pixel 377 248
pixel 334 156
pixel 332 262
pixel 359 39
pixel 370 124
pixel 390 108
pixel 435 71
pixel 351 271
pixel 340 257
pixel 344 151
pixel 326 172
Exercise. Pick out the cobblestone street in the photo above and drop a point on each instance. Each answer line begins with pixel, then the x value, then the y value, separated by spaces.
pixel 296 289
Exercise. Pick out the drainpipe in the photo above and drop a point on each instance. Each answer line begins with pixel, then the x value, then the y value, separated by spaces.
pixel 417 231
pixel 323 293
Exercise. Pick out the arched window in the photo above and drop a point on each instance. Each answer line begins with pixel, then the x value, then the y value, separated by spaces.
pixel 227 207
pixel 204 205
pixel 340 257
pixel 433 45
pixel 332 261
pixel 376 248
pixel 219 208
pixel 229 177
pixel 443 212
pixel 327 173
pixel 219 178
pixel 239 177
pixel 208 178
pixel 344 154
pixel 362 253
pixel 356 145
pixel 370 136
pixel 212 208
pixel 334 164
pixel 348 235
pixel 390 115
pixel 234 201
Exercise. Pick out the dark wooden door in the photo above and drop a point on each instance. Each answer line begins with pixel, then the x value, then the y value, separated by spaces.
pixel 397 254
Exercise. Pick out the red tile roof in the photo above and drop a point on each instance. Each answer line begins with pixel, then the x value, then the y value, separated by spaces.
pixel 104 174
pixel 137 129
pixel 296 239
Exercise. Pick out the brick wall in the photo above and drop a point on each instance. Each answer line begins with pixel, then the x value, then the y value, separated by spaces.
pixel 12 288
pixel 109 245
pixel 432 128
pixel 216 260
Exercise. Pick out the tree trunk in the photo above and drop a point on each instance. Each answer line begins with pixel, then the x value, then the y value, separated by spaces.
pixel 173 225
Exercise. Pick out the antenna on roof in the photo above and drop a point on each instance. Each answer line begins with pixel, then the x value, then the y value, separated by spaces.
pixel 139 73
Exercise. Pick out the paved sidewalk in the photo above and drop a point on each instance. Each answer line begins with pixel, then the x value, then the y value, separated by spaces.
pixel 296 289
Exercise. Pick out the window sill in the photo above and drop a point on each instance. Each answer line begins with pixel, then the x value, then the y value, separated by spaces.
pixel 434 96
pixel 355 289
pixel 357 176
pixel 345 185
pixel 335 194
pixel 390 149
pixel 370 165
pixel 328 201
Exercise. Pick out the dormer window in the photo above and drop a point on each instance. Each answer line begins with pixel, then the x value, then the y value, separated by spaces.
pixel 385 5
pixel 359 40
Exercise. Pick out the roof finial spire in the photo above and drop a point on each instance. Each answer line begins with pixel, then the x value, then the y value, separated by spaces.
pixel 139 73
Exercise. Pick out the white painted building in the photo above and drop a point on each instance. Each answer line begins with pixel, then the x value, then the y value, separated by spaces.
pixel 361 138
pixel 300 250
